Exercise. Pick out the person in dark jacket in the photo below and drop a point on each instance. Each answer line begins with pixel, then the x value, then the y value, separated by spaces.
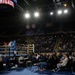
pixel 5 61
pixel 1 63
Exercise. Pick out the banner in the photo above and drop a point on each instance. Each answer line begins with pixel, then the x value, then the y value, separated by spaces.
pixel 7 2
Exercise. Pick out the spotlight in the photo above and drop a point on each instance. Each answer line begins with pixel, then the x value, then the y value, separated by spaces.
pixel 51 13
pixel 65 5
pixel 36 14
pixel 27 15
pixel 59 12
pixel 65 11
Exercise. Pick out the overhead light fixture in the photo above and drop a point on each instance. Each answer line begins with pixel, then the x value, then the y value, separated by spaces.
pixel 51 13
pixel 59 12
pixel 65 5
pixel 27 15
pixel 65 11
pixel 36 14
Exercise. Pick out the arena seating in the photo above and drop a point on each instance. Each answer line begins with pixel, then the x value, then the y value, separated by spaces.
pixel 45 58
pixel 44 44
pixel 67 42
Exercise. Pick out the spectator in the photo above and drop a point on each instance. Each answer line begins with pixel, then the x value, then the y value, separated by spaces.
pixel 1 63
pixel 5 61
pixel 21 60
pixel 73 57
pixel 62 62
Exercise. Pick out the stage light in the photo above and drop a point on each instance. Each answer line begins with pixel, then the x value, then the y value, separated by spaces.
pixel 27 15
pixel 65 11
pixel 59 12
pixel 36 14
pixel 51 13
pixel 65 5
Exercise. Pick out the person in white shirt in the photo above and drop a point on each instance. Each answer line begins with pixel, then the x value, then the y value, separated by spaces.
pixel 21 59
pixel 63 62
pixel 37 57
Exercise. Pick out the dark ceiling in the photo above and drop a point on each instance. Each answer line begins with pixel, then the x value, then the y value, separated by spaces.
pixel 12 21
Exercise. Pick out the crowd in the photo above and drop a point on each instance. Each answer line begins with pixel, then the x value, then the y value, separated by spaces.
pixel 44 56
pixel 52 61
pixel 67 42
pixel 47 43
pixel 44 43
